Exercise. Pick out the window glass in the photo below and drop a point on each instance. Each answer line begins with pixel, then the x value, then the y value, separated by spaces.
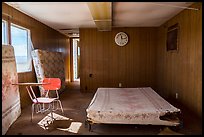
pixel 20 41
pixel 4 33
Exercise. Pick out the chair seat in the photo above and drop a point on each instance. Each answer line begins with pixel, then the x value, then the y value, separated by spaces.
pixel 43 100
pixel 53 102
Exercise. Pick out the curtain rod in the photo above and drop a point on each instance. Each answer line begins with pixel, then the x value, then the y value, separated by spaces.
pixel 182 7
pixel 6 15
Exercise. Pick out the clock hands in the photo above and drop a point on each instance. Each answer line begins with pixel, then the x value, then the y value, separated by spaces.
pixel 121 39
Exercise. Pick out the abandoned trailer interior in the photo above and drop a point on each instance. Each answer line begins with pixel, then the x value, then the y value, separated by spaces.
pixel 101 68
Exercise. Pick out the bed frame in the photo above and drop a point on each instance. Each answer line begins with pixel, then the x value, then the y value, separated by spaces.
pixel 131 106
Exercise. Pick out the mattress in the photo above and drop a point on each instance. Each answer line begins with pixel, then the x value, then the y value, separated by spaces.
pixel 49 65
pixel 11 108
pixel 130 106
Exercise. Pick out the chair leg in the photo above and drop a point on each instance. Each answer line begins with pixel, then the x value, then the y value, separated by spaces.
pixel 32 111
pixel 51 112
pixel 61 106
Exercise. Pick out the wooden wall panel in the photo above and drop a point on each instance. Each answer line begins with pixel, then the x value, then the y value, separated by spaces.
pixel 132 65
pixel 144 61
pixel 180 71
pixel 43 37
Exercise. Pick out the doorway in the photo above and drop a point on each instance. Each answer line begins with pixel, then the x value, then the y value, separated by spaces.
pixel 76 59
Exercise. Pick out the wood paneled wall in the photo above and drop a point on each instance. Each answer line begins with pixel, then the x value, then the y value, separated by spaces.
pixel 132 65
pixel 43 37
pixel 181 71
pixel 144 61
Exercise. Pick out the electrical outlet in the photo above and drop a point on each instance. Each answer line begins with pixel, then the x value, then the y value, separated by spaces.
pixel 176 95
pixel 120 85
pixel 90 75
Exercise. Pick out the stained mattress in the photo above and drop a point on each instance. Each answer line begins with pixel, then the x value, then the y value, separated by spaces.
pixel 129 106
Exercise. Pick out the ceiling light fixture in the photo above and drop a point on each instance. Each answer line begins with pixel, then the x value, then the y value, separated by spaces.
pixel 102 14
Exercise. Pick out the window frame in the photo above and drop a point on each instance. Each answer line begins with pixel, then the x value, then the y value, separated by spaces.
pixel 28 48
pixel 6 33
pixel 172 40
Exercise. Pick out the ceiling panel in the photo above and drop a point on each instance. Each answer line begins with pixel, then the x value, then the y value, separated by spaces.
pixel 102 14
pixel 68 16
pixel 145 14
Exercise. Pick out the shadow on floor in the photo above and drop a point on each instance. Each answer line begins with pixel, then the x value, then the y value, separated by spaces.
pixel 73 121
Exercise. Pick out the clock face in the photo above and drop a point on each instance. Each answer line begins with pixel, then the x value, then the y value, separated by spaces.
pixel 121 39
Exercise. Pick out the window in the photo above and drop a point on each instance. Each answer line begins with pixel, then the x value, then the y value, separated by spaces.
pixel 78 52
pixel 172 37
pixel 4 33
pixel 20 40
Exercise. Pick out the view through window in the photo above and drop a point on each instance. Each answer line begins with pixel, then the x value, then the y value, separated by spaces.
pixel 4 32
pixel 20 41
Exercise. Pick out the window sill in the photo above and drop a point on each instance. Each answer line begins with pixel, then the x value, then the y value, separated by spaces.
pixel 25 71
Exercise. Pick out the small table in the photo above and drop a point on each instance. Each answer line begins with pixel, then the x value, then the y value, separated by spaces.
pixel 29 86
pixel 33 96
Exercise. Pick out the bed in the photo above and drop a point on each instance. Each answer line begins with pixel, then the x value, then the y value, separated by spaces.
pixel 131 106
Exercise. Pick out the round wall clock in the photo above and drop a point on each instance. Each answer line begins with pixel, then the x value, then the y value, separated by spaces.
pixel 121 38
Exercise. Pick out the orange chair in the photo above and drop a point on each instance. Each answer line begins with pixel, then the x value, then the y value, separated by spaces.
pixel 54 84
pixel 42 104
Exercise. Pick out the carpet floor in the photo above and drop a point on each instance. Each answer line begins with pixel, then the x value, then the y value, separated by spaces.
pixel 72 122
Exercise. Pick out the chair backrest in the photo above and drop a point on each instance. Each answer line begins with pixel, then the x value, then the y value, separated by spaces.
pixel 31 94
pixel 54 83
